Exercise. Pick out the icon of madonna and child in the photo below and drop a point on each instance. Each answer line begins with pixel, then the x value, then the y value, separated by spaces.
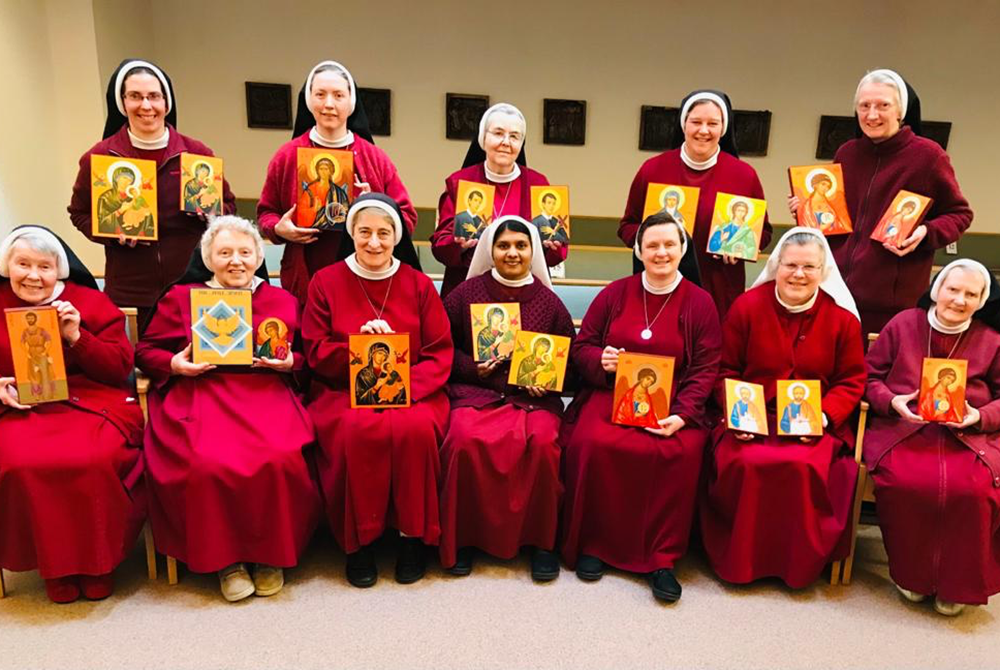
pixel 381 379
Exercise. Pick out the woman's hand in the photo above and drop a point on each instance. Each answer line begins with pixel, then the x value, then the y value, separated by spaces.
pixel 971 418
pixel 900 402
pixel 793 206
pixel 466 244
pixel 535 391
pixel 131 241
pixel 8 393
pixel 609 359
pixel 181 364
pixel 668 426
pixel 376 327
pixel 69 321
pixel 486 368
pixel 910 244
pixel 276 364
pixel 361 187
pixel 287 230
pixel 744 437
pixel 555 245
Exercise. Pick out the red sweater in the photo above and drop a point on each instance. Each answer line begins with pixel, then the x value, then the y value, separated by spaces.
pixel 135 277
pixel 456 261
pixel 730 175
pixel 873 174
pixel 300 262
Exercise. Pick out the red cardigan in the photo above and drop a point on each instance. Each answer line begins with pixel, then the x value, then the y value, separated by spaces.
pixel 134 277
pixel 371 165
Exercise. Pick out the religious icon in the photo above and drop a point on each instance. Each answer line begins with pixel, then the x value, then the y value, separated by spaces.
pixel 550 212
pixel 800 407
pixel 220 326
pixel 680 202
pixel 494 327
pixel 473 209
pixel 272 339
pixel 324 187
pixel 540 360
pixel 201 184
pixel 123 197
pixel 643 385
pixel 37 352
pixel 942 389
pixel 745 411
pixel 820 190
pixel 899 221
pixel 737 225
pixel 379 370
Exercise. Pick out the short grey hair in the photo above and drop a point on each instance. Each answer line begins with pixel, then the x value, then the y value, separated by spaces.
pixel 880 77
pixel 500 108
pixel 801 240
pixel 232 223
pixel 38 240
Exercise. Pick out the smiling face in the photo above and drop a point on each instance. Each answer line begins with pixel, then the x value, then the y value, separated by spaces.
pixel 233 258
pixel 512 254
pixel 145 105
pixel 702 130
pixel 504 138
pixel 330 103
pixel 660 250
pixel 33 274
pixel 800 270
pixel 959 296
pixel 878 111
pixel 374 240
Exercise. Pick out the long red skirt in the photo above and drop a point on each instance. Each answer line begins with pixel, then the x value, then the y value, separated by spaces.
pixel 940 518
pixel 72 500
pixel 228 478
pixel 500 481
pixel 630 495
pixel 379 468
pixel 776 507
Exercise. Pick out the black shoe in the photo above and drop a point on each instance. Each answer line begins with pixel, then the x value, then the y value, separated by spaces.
pixel 544 565
pixel 463 562
pixel 589 568
pixel 665 585
pixel 411 564
pixel 361 569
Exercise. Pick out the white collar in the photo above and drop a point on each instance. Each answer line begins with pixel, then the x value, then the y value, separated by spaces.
pixel 701 166
pixel 796 309
pixel 344 141
pixel 502 178
pixel 513 283
pixel 148 145
pixel 936 324
pixel 669 288
pixel 214 283
pixel 364 273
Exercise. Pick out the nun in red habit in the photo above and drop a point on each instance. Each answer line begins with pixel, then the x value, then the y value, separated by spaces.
pixel 706 159
pixel 71 494
pixel 226 446
pixel 500 487
pixel 888 155
pixel 778 506
pixel 937 485
pixel 495 157
pixel 378 467
pixel 630 492
pixel 142 123
pixel 329 116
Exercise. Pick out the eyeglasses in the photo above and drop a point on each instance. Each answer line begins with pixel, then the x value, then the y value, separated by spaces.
pixel 792 268
pixel 500 136
pixel 134 96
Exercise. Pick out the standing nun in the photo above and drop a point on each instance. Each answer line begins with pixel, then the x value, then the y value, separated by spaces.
pixel 706 158
pixel 495 157
pixel 329 115
pixel 142 123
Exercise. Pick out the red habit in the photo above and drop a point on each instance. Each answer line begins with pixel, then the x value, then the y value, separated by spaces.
pixel 730 175
pixel 378 468
pixel 224 451
pixel 71 494
pixel 630 494
pixel 775 506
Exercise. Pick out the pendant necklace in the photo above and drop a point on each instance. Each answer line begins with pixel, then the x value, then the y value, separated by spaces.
pixel 648 332
pixel 377 312
pixel 953 349
pixel 503 204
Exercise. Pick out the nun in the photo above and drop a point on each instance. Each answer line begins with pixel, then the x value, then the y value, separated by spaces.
pixel 330 116
pixel 705 158
pixel 500 487
pixel 72 499
pixel 890 155
pixel 495 157
pixel 778 506
pixel 937 484
pixel 142 123
pixel 378 468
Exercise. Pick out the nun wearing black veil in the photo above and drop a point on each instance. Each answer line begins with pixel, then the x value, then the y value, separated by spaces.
pixel 142 123
pixel 704 156
pixel 331 116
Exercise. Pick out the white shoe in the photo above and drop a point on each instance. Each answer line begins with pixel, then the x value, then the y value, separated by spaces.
pixel 912 596
pixel 946 608
pixel 268 580
pixel 235 582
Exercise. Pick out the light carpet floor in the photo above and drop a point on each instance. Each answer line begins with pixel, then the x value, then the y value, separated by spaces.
pixel 496 618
